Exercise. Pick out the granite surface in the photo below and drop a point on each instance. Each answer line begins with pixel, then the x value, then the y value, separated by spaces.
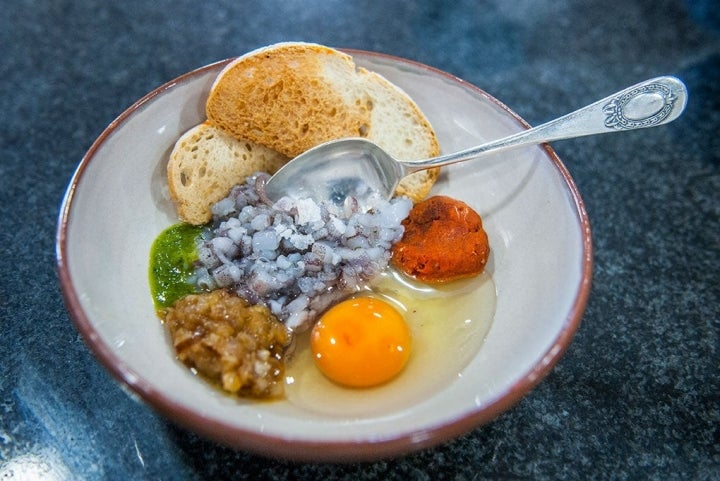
pixel 637 395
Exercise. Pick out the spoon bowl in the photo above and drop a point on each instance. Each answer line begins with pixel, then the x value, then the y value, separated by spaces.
pixel 358 168
pixel 349 167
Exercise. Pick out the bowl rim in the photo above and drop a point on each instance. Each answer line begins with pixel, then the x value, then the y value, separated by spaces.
pixel 307 450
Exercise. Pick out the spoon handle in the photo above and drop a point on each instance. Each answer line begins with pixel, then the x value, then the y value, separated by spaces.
pixel 648 104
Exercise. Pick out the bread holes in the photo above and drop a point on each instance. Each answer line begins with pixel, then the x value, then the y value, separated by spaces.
pixel 298 94
pixel 184 179
pixel 363 130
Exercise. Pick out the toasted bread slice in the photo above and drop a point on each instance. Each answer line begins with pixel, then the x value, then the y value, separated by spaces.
pixel 292 96
pixel 206 163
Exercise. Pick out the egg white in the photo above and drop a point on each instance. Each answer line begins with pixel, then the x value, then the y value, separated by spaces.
pixel 448 324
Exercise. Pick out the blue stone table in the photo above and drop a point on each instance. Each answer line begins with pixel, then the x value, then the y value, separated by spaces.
pixel 637 395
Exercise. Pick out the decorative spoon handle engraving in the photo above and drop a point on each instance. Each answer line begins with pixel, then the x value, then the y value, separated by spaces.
pixel 642 106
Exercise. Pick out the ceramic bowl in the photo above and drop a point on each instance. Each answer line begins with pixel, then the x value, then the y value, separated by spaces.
pixel 117 203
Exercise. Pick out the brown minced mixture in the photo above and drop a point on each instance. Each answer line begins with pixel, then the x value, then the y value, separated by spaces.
pixel 230 342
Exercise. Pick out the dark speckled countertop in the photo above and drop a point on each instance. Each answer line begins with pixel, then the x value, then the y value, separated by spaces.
pixel 637 395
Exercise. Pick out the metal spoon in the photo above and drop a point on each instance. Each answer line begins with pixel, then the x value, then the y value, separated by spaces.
pixel 357 167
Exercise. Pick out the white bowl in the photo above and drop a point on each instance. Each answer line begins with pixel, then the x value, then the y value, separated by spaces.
pixel 116 204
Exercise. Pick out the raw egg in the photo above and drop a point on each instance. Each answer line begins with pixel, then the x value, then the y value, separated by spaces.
pixel 361 342
pixel 447 323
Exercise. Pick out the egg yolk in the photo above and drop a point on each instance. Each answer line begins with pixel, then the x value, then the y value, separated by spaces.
pixel 361 342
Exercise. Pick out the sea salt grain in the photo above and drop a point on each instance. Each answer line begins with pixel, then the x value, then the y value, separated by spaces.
pixel 296 256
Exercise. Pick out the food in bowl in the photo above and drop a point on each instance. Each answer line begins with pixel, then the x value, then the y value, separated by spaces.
pixel 229 341
pixel 535 286
pixel 273 103
pixel 294 257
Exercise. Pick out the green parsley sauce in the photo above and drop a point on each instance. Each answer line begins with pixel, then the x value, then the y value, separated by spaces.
pixel 172 256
